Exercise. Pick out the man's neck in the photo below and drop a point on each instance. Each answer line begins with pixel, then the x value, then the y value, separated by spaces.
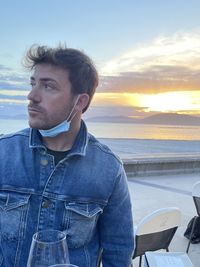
pixel 63 141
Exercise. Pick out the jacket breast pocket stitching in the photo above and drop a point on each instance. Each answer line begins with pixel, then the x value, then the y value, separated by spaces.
pixel 81 221
pixel 14 208
pixel 8 202
pixel 87 212
pixel 13 212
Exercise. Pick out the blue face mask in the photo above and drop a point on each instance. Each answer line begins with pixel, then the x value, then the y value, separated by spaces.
pixel 60 128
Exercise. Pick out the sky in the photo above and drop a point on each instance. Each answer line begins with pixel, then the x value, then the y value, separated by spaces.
pixel 147 52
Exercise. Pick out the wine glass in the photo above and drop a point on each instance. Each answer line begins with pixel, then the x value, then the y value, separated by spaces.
pixel 48 247
pixel 63 265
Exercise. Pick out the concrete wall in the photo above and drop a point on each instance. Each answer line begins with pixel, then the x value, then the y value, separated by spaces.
pixel 159 166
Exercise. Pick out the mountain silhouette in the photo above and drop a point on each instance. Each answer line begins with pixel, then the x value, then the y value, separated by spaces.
pixel 161 118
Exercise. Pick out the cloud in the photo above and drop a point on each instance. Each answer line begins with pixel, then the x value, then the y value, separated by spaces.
pixel 4 68
pixel 12 97
pixel 13 80
pixel 165 64
pixel 13 86
pixel 156 79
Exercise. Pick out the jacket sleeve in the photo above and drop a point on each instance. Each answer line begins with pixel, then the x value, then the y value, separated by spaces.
pixel 116 226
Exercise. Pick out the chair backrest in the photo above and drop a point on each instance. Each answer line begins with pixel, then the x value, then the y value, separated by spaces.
pixel 196 196
pixel 156 230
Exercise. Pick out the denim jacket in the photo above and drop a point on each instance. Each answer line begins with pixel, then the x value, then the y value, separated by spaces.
pixel 85 195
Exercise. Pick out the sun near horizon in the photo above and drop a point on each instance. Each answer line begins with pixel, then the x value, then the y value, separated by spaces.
pixel 181 102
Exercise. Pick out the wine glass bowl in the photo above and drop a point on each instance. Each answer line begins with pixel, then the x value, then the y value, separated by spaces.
pixel 63 265
pixel 48 247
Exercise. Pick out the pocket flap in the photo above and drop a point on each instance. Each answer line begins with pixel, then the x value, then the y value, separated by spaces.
pixel 87 210
pixel 12 200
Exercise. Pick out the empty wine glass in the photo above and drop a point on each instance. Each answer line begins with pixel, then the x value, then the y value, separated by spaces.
pixel 63 265
pixel 48 247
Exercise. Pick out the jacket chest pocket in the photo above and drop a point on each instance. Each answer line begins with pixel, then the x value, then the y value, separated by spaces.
pixel 13 212
pixel 79 222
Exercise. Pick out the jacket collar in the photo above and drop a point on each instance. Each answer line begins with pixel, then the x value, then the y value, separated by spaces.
pixel 78 148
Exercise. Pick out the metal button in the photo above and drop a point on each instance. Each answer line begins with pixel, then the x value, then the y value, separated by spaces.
pixel 44 162
pixel 43 152
pixel 45 204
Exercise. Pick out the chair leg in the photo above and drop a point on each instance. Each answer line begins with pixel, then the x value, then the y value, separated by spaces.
pixel 140 262
pixel 193 225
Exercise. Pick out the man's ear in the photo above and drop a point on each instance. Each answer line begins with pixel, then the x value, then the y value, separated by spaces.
pixel 82 102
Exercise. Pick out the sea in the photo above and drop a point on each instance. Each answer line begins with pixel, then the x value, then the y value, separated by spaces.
pixel 129 140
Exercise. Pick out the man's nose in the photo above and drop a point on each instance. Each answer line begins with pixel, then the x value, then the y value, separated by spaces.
pixel 34 95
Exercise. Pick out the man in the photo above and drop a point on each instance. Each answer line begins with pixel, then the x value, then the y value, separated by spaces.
pixel 56 175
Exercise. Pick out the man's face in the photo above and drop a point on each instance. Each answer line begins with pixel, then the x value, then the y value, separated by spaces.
pixel 50 98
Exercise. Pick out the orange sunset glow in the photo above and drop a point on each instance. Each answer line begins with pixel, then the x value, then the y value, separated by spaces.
pixel 159 76
pixel 185 102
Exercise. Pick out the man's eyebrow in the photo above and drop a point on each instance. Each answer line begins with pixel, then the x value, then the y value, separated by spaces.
pixel 43 79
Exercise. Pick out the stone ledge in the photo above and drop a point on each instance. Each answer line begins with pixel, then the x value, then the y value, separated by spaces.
pixel 161 165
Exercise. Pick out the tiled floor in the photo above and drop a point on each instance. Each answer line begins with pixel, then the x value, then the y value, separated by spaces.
pixel 154 192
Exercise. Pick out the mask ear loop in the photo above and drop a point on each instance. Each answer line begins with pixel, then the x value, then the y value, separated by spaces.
pixel 69 118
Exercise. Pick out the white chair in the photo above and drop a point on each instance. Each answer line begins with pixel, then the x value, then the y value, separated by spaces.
pixel 156 230
pixel 196 198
